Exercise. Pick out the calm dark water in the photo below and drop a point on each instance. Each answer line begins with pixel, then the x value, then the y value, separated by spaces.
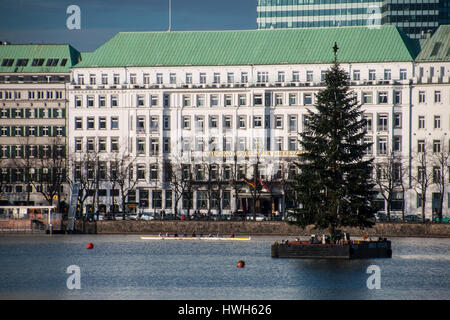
pixel 126 267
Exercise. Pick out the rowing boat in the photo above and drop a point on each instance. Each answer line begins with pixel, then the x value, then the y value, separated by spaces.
pixel 196 238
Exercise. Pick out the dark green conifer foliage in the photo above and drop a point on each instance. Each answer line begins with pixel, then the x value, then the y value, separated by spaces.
pixel 333 187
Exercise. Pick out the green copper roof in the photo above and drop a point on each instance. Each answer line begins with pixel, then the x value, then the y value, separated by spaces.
pixel 13 58
pixel 259 47
pixel 438 47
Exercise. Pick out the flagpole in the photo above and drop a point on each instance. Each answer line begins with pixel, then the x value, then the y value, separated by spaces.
pixel 170 15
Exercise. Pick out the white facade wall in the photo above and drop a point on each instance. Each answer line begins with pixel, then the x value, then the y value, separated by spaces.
pixel 185 97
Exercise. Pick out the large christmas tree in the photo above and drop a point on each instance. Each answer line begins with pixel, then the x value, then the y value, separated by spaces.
pixel 333 188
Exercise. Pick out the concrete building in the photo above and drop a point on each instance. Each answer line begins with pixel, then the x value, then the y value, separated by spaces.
pixel 415 18
pixel 213 107
pixel 33 109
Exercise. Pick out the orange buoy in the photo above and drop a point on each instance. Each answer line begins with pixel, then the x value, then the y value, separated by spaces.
pixel 90 246
pixel 240 264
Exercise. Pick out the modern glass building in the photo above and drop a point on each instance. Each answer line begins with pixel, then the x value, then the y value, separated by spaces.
pixel 414 17
pixel 444 12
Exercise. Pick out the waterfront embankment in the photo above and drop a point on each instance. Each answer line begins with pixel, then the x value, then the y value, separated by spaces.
pixel 274 228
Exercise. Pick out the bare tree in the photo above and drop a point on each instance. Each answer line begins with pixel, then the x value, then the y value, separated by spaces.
pixel 123 176
pixel 388 178
pixel 51 173
pixel 441 163
pixel 423 178
pixel 27 162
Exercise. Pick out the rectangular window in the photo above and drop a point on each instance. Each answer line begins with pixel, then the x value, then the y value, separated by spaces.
pixel 397 143
pixel 307 99
pixel 154 146
pixel 436 146
pixel 397 97
pixel 214 100
pixel 292 144
pixel 214 122
pixel 421 96
pixel 244 77
pixel 140 146
pixel 90 101
pixel 90 125
pixel 382 146
pixel 278 99
pixel 187 122
pixel 242 121
pixel 309 76
pixel 202 78
pixel 281 76
pixel 201 100
pixel 116 79
pixel 216 77
pixel 102 101
pixel 173 78
pixel 230 77
pixel 78 123
pixel 258 99
pixel 382 122
pixel 293 124
pixel 188 78
pixel 437 122
pixel 114 144
pixel 166 123
pixel 368 119
pixel 421 122
pixel 102 123
pixel 403 74
pixel 437 96
pixel 114 123
pixel 387 74
pixel 242 100
pixel 367 97
pixel 295 76
pixel 421 146
pixel 78 144
pixel 104 78
pixel 186 100
pixel 262 76
pixel 372 75
pixel 228 100
pixel 382 97
pixel 102 144
pixel 356 75
pixel 154 123
pixel 114 100
pixel 397 120
pixel 257 122
pixel 227 120
pixel 159 78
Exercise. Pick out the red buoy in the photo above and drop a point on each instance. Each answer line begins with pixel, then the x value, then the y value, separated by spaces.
pixel 240 264
pixel 90 246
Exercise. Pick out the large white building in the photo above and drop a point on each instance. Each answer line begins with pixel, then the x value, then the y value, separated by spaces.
pixel 220 102
pixel 33 110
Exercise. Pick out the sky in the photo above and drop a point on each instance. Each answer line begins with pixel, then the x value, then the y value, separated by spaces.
pixel 45 21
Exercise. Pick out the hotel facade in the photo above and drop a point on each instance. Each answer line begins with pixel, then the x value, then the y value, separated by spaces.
pixel 218 106
pixel 33 113
pixel 209 121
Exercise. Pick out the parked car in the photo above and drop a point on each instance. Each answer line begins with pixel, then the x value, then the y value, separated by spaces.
pixel 444 219
pixel 118 215
pixel 258 217
pixel 146 216
pixel 132 216
pixel 380 216
pixel 412 218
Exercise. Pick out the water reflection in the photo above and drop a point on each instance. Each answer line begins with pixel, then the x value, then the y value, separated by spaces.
pixel 125 267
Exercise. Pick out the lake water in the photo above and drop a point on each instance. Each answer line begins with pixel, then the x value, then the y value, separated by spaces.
pixel 126 267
